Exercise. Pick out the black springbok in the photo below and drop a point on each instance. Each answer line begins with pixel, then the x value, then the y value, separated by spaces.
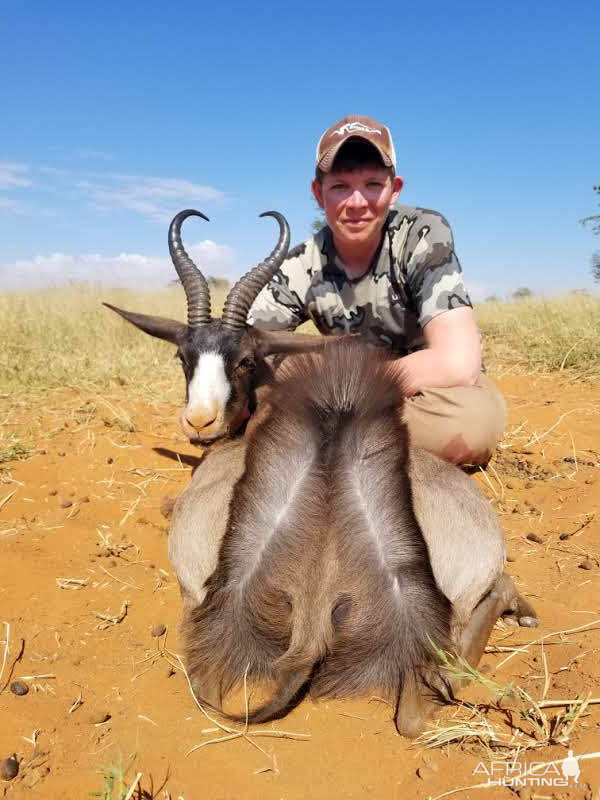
pixel 320 551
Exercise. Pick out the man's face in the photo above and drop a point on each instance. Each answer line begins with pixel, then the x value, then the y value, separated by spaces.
pixel 356 203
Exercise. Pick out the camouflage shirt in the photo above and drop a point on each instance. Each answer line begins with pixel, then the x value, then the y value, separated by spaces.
pixel 414 276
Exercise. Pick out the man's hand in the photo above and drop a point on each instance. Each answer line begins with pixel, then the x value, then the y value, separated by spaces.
pixel 452 356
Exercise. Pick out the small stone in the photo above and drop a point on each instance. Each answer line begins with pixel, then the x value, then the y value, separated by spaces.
pixel 53 492
pixel 529 485
pixel 66 504
pixel 166 507
pixel 9 768
pixel 589 481
pixel 158 630
pixel 169 671
pixel 511 557
pixel 19 688
pixel 563 536
pixel 84 499
pixel 104 552
pixel 98 717
pixel 587 563
pixel 110 460
pixel 534 537
pixel 42 452
pixel 509 486
pixel 112 563
pixel 484 669
pixel 62 453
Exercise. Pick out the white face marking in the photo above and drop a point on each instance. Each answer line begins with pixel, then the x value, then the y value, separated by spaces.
pixel 209 388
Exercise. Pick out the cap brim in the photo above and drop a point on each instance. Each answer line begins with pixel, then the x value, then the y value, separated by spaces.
pixel 325 163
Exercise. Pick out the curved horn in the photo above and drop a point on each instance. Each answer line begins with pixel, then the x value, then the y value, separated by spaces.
pixel 245 291
pixel 193 281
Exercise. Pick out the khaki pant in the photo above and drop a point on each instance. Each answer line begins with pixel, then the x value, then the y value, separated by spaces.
pixel 462 424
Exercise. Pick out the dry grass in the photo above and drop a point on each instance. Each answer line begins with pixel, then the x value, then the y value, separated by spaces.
pixel 65 338
pixel 529 336
pixel 510 721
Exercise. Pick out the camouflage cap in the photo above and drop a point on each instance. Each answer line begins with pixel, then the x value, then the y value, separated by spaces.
pixel 351 127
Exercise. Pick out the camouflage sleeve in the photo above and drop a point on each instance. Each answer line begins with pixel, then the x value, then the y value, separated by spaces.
pixel 281 305
pixel 432 269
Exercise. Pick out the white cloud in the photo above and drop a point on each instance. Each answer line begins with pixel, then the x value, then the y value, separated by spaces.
pixel 14 176
pixel 153 197
pixel 124 270
pixel 156 198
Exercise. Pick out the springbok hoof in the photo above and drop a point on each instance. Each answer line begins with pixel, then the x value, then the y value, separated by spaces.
pixel 528 622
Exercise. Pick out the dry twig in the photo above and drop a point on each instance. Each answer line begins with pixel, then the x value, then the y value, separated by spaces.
pixel 108 620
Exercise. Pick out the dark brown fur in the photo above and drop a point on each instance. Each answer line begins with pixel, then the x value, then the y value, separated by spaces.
pixel 323 581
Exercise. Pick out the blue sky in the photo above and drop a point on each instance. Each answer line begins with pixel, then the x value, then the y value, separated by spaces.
pixel 117 115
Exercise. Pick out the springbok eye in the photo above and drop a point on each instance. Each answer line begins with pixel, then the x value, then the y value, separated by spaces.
pixel 247 363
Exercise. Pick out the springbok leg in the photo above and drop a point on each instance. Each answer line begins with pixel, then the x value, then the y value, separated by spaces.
pixel 475 636
pixel 421 697
pixel 414 706
pixel 521 613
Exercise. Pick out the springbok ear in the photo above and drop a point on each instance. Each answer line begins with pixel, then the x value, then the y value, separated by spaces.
pixel 161 327
pixel 271 342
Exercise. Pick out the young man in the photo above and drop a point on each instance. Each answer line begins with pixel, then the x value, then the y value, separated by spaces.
pixel 393 276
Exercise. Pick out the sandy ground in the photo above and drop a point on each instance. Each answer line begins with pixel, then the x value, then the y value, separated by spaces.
pixel 85 577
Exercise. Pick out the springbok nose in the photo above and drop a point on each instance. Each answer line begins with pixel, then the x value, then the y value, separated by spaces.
pixel 200 423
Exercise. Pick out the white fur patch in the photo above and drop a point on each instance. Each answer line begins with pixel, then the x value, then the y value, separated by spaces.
pixel 209 388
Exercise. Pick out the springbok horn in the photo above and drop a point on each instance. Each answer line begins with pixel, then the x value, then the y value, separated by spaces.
pixel 193 281
pixel 245 291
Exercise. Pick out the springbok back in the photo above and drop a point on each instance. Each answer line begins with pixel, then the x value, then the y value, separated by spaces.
pixel 323 581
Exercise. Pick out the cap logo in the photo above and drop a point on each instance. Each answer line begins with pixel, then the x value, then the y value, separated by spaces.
pixel 351 127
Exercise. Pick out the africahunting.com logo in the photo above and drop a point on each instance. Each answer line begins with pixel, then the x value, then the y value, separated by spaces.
pixel 534 775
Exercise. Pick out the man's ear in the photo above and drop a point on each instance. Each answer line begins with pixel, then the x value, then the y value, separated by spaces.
pixel 317 190
pixel 161 327
pixel 397 185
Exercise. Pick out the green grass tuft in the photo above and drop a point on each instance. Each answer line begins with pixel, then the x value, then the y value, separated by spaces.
pixel 16 452
pixel 116 784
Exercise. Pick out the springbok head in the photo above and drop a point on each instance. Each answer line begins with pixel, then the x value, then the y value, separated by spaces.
pixel 219 356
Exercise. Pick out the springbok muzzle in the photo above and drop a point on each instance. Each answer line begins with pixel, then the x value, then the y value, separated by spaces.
pixel 204 414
